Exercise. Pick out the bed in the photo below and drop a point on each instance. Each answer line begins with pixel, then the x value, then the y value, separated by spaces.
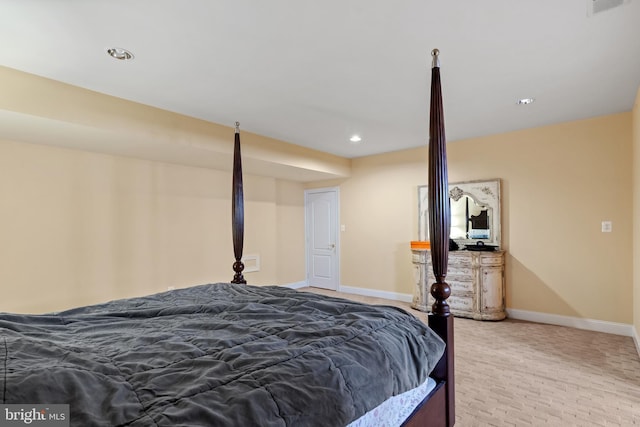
pixel 232 354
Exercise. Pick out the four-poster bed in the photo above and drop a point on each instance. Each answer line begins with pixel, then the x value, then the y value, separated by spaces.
pixel 239 355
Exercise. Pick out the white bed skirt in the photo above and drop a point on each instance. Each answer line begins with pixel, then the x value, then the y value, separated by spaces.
pixel 395 410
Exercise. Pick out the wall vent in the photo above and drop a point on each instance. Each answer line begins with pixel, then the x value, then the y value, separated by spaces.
pixel 251 263
pixel 599 6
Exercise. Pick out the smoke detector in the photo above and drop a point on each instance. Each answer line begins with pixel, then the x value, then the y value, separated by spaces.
pixel 599 6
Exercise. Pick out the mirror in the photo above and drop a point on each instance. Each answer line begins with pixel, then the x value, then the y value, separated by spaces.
pixel 475 212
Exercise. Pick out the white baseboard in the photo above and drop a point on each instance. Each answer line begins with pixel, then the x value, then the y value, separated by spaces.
pixel 573 322
pixel 295 285
pixel 395 296
pixel 636 339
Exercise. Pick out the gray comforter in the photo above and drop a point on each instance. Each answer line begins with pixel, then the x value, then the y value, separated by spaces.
pixel 216 355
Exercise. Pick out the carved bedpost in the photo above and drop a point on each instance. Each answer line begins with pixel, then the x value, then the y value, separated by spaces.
pixel 439 210
pixel 237 210
pixel 440 319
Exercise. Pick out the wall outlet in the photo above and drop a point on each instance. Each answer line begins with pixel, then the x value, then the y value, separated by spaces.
pixel 607 226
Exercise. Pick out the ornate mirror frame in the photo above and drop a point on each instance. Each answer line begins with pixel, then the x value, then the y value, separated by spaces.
pixel 485 193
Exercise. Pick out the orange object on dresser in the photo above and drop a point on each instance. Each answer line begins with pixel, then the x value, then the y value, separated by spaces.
pixel 420 244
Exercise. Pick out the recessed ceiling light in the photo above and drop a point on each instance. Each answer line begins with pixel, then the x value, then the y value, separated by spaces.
pixel 119 53
pixel 525 101
pixel 355 139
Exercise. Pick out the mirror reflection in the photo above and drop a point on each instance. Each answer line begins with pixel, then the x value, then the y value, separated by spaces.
pixel 475 212
pixel 469 220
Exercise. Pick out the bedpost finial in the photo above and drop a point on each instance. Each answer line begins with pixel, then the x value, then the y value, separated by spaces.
pixel 238 278
pixel 436 60
pixel 440 291
pixel 237 127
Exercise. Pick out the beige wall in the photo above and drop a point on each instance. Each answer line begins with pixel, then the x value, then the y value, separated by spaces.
pixel 43 111
pixel 558 184
pixel 290 232
pixel 90 222
pixel 78 228
pixel 636 216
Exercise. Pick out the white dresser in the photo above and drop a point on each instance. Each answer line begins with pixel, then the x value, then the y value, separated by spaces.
pixel 476 279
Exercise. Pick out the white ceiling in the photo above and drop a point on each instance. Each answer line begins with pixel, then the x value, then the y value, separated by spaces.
pixel 314 72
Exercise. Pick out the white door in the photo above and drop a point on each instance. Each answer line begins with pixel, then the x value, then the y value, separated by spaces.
pixel 322 251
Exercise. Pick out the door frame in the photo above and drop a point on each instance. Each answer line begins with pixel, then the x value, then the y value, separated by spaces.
pixel 336 231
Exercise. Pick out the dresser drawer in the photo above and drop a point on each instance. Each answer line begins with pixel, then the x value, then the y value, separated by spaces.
pixel 459 261
pixel 459 306
pixel 461 303
pixel 460 284
pixel 457 282
pixel 460 270
pixel 421 257
pixel 491 260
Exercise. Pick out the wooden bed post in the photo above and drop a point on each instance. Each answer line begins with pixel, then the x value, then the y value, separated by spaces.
pixel 237 210
pixel 440 319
